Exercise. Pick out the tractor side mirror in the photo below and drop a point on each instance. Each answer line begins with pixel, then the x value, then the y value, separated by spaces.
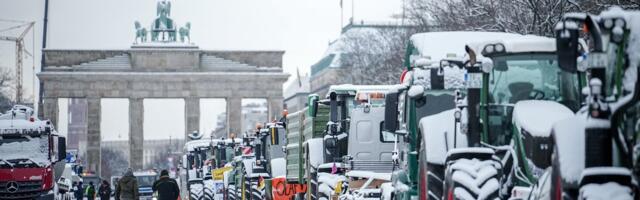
pixel 185 161
pixel 567 34
pixel 313 105
pixel 391 112
pixel 62 148
pixel 333 103
pixel 223 153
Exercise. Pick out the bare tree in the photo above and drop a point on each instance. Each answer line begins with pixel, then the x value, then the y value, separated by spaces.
pixel 516 16
pixel 6 88
pixel 375 55
pixel 115 162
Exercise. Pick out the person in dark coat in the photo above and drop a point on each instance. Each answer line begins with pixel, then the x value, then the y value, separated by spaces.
pixel 91 191
pixel 79 192
pixel 166 188
pixel 104 191
pixel 127 188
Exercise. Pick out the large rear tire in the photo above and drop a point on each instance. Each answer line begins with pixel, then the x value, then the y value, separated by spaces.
pixel 472 179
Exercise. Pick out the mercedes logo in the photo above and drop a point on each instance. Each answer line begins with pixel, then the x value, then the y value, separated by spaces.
pixel 12 187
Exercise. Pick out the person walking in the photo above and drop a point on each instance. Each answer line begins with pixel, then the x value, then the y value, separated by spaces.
pixel 127 188
pixel 166 187
pixel 79 192
pixel 104 191
pixel 91 191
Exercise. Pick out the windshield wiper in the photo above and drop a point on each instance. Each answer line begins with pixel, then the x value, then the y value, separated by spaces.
pixel 6 162
pixel 30 160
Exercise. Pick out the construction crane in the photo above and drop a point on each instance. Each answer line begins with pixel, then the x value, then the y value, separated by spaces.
pixel 20 49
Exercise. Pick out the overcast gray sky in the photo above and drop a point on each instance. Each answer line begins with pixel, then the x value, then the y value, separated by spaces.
pixel 302 28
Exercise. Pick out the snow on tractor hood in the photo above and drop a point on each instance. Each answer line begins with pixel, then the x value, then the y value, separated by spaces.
pixel 435 127
pixel 570 145
pixel 537 117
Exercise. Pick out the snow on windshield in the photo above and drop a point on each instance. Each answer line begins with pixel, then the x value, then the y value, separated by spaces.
pixel 18 149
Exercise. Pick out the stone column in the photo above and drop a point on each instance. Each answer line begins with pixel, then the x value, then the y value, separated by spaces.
pixel 93 134
pixel 136 133
pixel 275 107
pixel 49 110
pixel 234 115
pixel 191 115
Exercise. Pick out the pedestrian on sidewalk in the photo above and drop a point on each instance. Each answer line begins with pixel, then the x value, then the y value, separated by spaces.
pixel 105 190
pixel 166 187
pixel 127 188
pixel 79 192
pixel 91 191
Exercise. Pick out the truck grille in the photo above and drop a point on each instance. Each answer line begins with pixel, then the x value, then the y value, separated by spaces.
pixel 25 190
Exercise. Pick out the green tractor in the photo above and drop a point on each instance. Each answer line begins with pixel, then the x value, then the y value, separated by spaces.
pixel 428 87
pixel 507 120
pixel 595 152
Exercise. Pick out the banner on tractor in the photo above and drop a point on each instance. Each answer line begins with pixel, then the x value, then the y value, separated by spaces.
pixel 283 191
pixel 218 174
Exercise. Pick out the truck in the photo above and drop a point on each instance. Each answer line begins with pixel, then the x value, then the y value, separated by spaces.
pixel 145 183
pixel 30 148
pixel 353 137
pixel 305 133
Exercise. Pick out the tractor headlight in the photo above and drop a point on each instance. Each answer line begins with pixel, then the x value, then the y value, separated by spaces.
pixel 608 23
pixel 488 49
pixel 620 22
pixel 499 48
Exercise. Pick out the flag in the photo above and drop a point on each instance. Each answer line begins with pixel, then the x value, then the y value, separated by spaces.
pixel 338 189
pixel 299 80
pixel 260 182
pixel 246 150
pixel 334 169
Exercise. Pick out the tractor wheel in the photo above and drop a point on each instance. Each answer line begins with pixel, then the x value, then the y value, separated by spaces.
pixel 472 179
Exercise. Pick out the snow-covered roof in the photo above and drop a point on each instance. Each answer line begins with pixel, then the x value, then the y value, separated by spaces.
pixel 298 85
pixel 360 88
pixel 522 44
pixel 145 173
pixel 438 45
pixel 537 117
pixel 369 174
pixel 191 145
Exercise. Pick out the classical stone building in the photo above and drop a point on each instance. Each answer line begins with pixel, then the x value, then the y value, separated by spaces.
pixel 159 71
pixel 334 66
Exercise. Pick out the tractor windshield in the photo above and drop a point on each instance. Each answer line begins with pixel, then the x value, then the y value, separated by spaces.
pixel 526 77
